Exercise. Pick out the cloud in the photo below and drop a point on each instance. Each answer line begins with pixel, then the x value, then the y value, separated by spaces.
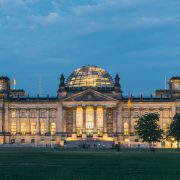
pixel 102 5
pixel 51 18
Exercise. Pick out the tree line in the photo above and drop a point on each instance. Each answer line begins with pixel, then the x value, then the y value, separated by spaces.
pixel 148 129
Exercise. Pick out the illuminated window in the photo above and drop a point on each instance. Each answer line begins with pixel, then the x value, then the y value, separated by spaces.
pixel 43 128
pixel 13 114
pixel 90 76
pixel 89 118
pixel 126 129
pixel 79 117
pixel 13 128
pixel 53 128
pixel 33 128
pixel 99 117
pixel 23 128
pixel 166 114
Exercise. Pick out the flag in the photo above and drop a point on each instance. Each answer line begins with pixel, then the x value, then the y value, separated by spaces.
pixel 129 103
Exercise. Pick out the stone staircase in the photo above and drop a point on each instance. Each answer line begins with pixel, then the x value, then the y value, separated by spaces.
pixel 89 144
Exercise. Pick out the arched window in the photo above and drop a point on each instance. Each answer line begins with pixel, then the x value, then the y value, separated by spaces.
pixel 13 128
pixel 89 117
pixel 23 128
pixel 13 114
pixel 53 128
pixel 126 129
pixel 79 117
pixel 43 128
pixel 99 117
pixel 33 128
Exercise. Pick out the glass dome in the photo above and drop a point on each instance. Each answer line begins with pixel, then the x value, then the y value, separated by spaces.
pixel 90 76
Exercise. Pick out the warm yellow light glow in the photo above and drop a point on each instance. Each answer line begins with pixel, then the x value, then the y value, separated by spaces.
pixel 13 114
pixel 53 128
pixel 126 129
pixel 23 128
pixel 99 117
pixel 13 128
pixel 43 128
pixel 89 117
pixel 33 128
pixel 90 76
pixel 79 117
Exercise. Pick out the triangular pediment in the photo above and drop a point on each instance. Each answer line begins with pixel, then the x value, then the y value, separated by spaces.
pixel 89 95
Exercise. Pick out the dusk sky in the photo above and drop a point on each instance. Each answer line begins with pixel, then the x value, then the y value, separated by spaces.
pixel 139 39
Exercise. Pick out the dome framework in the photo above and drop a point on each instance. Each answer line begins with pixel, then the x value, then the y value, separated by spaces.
pixel 89 76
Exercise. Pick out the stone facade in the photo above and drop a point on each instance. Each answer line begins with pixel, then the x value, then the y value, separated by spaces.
pixel 79 113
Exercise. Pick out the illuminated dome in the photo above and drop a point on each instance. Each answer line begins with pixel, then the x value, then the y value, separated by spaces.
pixel 90 76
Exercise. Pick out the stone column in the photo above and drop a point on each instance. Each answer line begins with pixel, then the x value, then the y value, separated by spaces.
pixel 48 121
pixel 28 121
pixel 84 119
pixel 1 119
pixel 129 120
pixel 161 118
pixel 95 119
pixel 104 120
pixel 74 119
pixel 38 128
pixel 64 120
pixel 17 121
pixel 115 120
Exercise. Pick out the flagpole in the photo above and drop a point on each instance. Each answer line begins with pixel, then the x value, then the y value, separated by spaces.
pixel 165 82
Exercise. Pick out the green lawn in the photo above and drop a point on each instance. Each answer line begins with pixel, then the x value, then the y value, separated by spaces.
pixel 45 164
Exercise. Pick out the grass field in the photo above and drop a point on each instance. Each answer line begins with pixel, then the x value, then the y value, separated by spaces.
pixel 46 164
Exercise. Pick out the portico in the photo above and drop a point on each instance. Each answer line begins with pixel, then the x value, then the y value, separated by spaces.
pixel 90 119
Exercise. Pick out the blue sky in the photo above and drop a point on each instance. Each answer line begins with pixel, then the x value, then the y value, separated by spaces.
pixel 139 39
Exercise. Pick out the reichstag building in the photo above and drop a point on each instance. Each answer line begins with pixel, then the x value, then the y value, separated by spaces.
pixel 89 106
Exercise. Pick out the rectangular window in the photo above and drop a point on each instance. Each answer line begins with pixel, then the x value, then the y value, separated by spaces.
pixel 53 128
pixel 13 128
pixel 23 128
pixel 13 114
pixel 53 114
pixel 42 114
pixel 43 128
pixel 166 114
pixel 23 114
pixel 33 128
pixel 32 114
pixel 136 114
pixel 126 114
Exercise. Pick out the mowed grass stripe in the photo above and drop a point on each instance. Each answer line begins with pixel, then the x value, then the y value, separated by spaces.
pixel 18 163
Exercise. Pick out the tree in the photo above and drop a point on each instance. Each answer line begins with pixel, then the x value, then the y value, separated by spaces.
pixel 174 129
pixel 148 130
